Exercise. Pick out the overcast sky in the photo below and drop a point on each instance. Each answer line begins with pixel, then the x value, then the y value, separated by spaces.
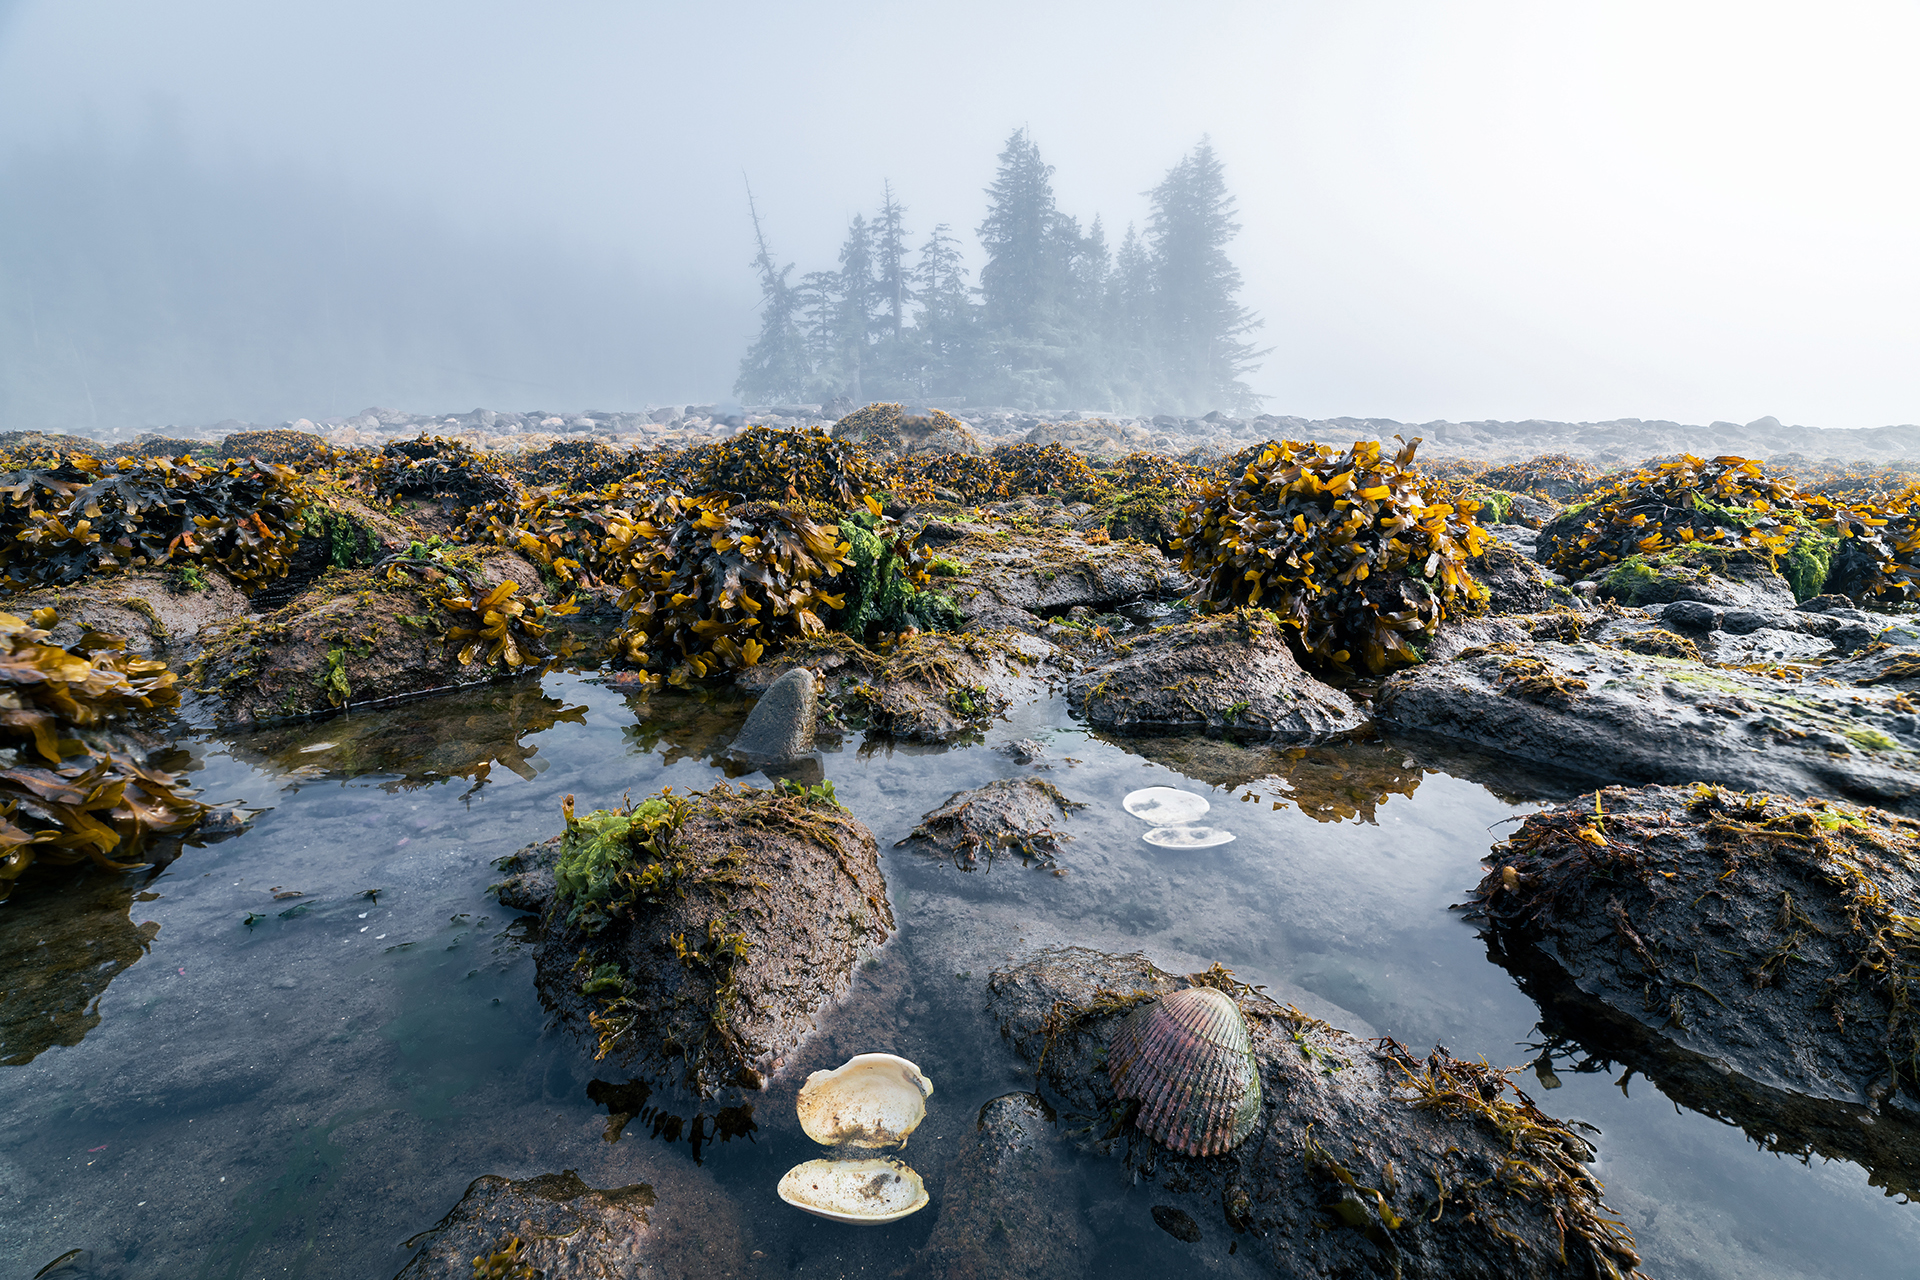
pixel 1451 210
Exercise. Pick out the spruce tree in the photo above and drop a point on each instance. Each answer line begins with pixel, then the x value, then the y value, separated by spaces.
pixel 776 365
pixel 946 324
pixel 890 260
pixel 859 299
pixel 1198 325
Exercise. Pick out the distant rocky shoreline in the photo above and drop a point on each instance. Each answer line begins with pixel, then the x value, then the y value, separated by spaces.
pixel 1620 441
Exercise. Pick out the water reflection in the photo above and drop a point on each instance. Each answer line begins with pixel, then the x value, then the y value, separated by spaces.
pixel 62 940
pixel 456 735
pixel 631 1101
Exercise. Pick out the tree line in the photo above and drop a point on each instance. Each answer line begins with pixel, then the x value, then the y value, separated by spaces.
pixel 1057 320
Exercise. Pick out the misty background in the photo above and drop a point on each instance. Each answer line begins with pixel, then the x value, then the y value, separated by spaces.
pixel 218 210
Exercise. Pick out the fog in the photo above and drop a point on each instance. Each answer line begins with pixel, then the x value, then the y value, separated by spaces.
pixel 1473 210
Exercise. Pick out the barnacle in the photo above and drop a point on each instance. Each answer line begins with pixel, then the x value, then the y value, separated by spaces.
pixel 74 800
pixel 1349 549
pixel 79 515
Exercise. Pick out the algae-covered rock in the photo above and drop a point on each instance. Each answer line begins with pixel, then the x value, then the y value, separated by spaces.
pixel 1007 816
pixel 1002 1212
pixel 557 1227
pixel 1233 672
pixel 1367 1160
pixel 927 688
pixel 167 612
pixel 355 638
pixel 1001 570
pixel 694 938
pixel 1726 579
pixel 1756 955
pixel 1641 718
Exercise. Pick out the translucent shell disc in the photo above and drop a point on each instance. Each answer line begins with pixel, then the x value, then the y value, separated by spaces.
pixel 1188 1057
pixel 1165 806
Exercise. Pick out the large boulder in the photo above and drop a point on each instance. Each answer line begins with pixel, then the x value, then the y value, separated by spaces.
pixel 353 638
pixel 1366 1159
pixel 1642 718
pixel 695 938
pixel 1233 672
pixel 1727 580
pixel 1752 954
pixel 1003 571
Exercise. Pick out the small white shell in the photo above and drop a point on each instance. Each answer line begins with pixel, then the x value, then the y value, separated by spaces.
pixel 1165 806
pixel 1187 837
pixel 875 1100
pixel 861 1192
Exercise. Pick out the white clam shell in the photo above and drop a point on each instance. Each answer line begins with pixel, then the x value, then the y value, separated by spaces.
pixel 861 1192
pixel 1187 837
pixel 875 1100
pixel 1165 806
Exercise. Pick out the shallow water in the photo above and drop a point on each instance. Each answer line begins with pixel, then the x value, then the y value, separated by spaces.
pixel 298 1095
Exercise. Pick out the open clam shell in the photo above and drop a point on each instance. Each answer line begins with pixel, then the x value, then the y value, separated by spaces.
pixel 1165 806
pixel 1188 1057
pixel 862 1192
pixel 875 1100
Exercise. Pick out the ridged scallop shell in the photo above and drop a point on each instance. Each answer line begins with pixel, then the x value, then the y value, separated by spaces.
pixel 1188 1058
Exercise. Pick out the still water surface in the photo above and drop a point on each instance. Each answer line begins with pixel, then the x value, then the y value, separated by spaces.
pixel 294 1086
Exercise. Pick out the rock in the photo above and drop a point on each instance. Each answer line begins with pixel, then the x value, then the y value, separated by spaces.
pixel 1516 583
pixel 1002 1214
pixel 1455 635
pixel 930 688
pixel 1690 615
pixel 1024 751
pixel 159 611
pixel 1727 581
pixel 349 640
pixel 1233 672
pixel 780 726
pixel 1299 1194
pixel 1014 815
pixel 1735 947
pixel 1047 575
pixel 1741 622
pixel 718 961
pixel 570 1231
pixel 1641 718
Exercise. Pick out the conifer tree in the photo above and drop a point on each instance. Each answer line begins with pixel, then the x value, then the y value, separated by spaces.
pixel 890 260
pixel 945 324
pixel 776 366
pixel 1198 323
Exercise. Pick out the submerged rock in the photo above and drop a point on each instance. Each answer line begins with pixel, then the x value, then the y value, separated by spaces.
pixel 557 1227
pixel 1367 1160
pixel 695 938
pixel 1642 718
pixel 1007 816
pixel 780 726
pixel 1007 1211
pixel 1233 673
pixel 1751 952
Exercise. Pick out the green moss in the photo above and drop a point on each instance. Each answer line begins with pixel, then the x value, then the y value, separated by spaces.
pixel 1871 739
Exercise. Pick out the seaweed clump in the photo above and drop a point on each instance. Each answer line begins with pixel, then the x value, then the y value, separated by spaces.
pixel 80 516
pixel 1554 476
pixel 576 465
pixel 709 588
pixel 436 467
pixel 800 466
pixel 1048 469
pixel 63 797
pixel 1348 549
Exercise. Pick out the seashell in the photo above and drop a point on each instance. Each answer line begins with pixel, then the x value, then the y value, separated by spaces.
pixel 1188 1058
pixel 1187 837
pixel 1165 806
pixel 862 1192
pixel 875 1100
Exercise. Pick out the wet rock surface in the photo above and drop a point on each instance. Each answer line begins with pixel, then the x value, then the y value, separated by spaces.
pixel 352 639
pixel 1343 1174
pixel 1007 817
pixel 1042 575
pixel 159 612
pixel 759 905
pixel 1233 673
pixel 567 1230
pixel 1749 951
pixel 1642 718
pixel 932 688
pixel 1006 1211
pixel 781 724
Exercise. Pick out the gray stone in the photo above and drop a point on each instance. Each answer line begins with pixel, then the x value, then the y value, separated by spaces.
pixel 1637 718
pixel 780 726
pixel 1690 615
pixel 1232 673
pixel 1008 815
pixel 1742 622
pixel 1002 1216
